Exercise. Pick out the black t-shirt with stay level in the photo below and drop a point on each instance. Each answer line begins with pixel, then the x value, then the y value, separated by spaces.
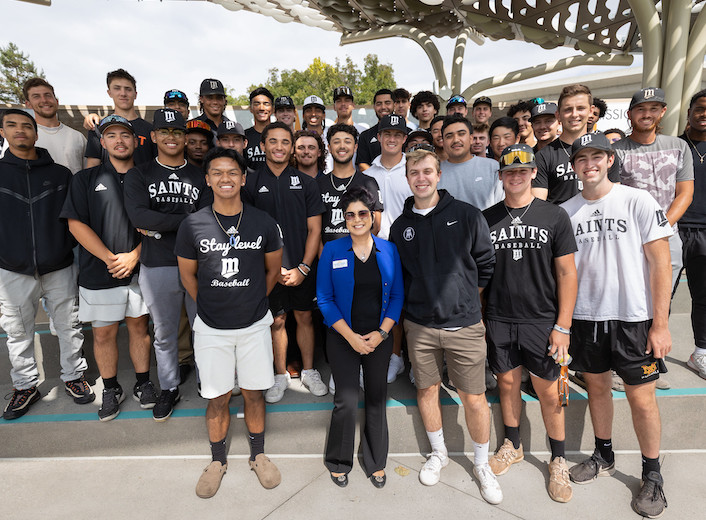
pixel 332 188
pixel 146 150
pixel 290 199
pixel 254 156
pixel 555 173
pixel 523 287
pixel 158 198
pixel 368 146
pixel 232 283
pixel 96 199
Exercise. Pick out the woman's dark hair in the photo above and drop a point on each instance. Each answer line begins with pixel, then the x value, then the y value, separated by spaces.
pixel 357 194
pixel 218 152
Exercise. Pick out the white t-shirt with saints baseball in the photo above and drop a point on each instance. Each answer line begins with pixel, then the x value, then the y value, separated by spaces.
pixel 613 274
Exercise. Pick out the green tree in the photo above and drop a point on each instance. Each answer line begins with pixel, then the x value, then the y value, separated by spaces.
pixel 320 78
pixel 15 69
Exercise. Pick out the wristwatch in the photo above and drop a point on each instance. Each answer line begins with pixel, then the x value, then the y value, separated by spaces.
pixel 384 334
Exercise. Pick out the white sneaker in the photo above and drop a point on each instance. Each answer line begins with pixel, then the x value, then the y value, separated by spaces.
pixel 236 387
pixel 331 385
pixel 311 379
pixel 396 368
pixel 431 471
pixel 276 393
pixel 697 362
pixel 489 487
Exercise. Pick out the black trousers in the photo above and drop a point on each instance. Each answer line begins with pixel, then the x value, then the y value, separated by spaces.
pixel 345 366
pixel 694 258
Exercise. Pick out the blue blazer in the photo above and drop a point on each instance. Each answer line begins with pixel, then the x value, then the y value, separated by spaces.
pixel 335 283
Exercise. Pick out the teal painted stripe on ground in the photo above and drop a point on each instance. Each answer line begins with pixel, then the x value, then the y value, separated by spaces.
pixel 310 407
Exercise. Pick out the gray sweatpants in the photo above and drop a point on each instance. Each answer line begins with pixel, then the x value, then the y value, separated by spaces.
pixel 163 293
pixel 19 300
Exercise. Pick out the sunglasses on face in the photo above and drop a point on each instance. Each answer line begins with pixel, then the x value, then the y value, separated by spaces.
pixel 363 214
pixel 176 132
pixel 421 146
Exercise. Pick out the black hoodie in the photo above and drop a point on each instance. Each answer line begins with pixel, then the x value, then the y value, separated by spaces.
pixel 33 240
pixel 446 256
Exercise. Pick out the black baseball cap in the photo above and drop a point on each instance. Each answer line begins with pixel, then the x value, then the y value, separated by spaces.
pixel 517 156
pixel 483 100
pixel 342 91
pixel 114 120
pixel 168 118
pixel 649 94
pixel 420 133
pixel 211 86
pixel 175 95
pixel 595 140
pixel 545 108
pixel 392 122
pixel 230 128
pixel 284 102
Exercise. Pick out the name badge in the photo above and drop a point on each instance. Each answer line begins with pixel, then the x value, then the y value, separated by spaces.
pixel 339 264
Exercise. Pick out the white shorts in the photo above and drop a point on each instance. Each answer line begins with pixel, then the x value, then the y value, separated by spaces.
pixel 218 352
pixel 103 307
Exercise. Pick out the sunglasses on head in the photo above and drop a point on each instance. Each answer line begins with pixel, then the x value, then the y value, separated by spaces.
pixel 175 95
pixel 421 146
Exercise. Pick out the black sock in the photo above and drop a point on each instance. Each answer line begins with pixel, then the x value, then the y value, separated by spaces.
pixel 649 465
pixel 605 448
pixel 257 444
pixel 513 433
pixel 142 377
pixel 218 451
pixel 557 448
pixel 111 382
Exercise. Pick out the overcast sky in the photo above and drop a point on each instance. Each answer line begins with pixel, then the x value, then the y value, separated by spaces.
pixel 176 44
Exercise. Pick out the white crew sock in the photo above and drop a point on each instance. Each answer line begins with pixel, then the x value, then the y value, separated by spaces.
pixel 436 439
pixel 699 351
pixel 480 453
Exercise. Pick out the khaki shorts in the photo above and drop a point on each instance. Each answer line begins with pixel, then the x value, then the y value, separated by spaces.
pixel 465 351
pixel 103 307
pixel 218 352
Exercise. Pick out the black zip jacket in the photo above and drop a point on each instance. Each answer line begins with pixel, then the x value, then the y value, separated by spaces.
pixel 446 256
pixel 33 240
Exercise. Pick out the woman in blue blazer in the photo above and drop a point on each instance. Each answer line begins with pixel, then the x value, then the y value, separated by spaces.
pixel 359 290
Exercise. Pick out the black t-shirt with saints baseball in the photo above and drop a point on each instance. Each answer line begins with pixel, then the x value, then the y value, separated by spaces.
pixel 158 198
pixel 254 156
pixel 555 173
pixel 523 287
pixel 232 284
pixel 332 188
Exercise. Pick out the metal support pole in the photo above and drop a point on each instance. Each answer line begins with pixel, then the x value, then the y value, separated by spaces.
pixel 413 34
pixel 694 64
pixel 622 60
pixel 651 34
pixel 675 48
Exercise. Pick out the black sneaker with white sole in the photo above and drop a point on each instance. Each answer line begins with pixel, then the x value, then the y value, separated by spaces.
pixel 165 405
pixel 80 390
pixel 110 408
pixel 145 394
pixel 20 402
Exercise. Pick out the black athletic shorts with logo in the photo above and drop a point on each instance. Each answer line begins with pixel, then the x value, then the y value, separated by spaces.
pixel 599 346
pixel 300 297
pixel 511 345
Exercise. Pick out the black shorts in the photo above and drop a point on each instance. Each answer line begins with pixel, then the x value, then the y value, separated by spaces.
pixel 511 345
pixel 301 297
pixel 599 346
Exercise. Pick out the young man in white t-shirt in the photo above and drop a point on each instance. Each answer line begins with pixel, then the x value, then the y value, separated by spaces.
pixel 620 318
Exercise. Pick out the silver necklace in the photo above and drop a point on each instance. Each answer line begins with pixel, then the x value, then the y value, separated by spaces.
pixel 701 157
pixel 561 143
pixel 232 231
pixel 343 187
pixel 516 221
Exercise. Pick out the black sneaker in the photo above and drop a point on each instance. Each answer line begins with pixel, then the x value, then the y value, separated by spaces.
pixel 80 390
pixel 165 405
pixel 112 397
pixel 145 394
pixel 650 502
pixel 184 371
pixel 592 468
pixel 20 402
